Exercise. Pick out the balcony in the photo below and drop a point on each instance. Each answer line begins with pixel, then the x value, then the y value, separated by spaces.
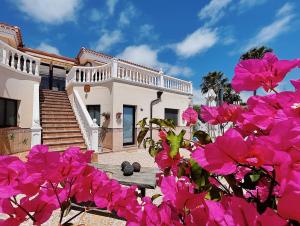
pixel 18 61
pixel 125 72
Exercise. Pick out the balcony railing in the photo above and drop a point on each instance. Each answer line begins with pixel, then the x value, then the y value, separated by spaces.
pixel 121 71
pixel 18 60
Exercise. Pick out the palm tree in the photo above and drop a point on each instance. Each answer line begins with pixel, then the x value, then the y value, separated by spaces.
pixel 230 96
pixel 213 80
pixel 256 53
pixel 217 81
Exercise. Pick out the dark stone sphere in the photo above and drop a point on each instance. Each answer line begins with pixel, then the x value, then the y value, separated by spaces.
pixel 136 167
pixel 128 170
pixel 125 163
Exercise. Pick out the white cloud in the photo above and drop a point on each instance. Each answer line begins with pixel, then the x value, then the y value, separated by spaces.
pixel 108 39
pixel 95 15
pixel 111 5
pixel 197 42
pixel 213 11
pixel 127 14
pixel 244 5
pixel 50 11
pixel 48 48
pixel 145 55
pixel 198 98
pixel 269 32
pixel 285 9
pixel 141 54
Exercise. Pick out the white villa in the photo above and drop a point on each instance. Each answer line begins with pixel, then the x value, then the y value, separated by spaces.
pixel 92 101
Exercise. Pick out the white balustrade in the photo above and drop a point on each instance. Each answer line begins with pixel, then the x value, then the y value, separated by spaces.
pixel 89 74
pixel 130 73
pixel 88 126
pixel 18 60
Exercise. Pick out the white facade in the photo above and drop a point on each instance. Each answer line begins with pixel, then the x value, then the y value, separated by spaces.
pixel 113 84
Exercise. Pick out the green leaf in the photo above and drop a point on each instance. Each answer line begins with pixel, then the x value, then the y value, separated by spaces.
pixel 142 123
pixel 142 135
pixel 175 142
pixel 254 177
pixel 163 123
pixel 153 151
pixel 198 175
pixel 203 137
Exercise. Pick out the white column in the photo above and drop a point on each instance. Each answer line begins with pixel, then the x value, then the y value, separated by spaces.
pixel 37 65
pixel 19 61
pixel 4 52
pixel 191 87
pixel 30 66
pixel 161 73
pixel 95 136
pixel 36 127
pixel 114 68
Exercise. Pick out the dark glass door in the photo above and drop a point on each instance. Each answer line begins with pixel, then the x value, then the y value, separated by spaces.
pixel 128 124
pixel 94 111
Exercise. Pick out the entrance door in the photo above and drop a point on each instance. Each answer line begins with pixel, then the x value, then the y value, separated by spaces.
pixel 94 111
pixel 53 77
pixel 128 124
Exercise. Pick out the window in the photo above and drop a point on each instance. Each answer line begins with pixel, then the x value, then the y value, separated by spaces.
pixel 94 111
pixel 8 113
pixel 172 114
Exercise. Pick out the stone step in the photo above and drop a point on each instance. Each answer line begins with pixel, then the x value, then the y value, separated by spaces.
pixel 67 144
pixel 56 109
pixel 65 147
pixel 58 120
pixel 60 126
pixel 50 101
pixel 63 141
pixel 51 136
pixel 45 91
pixel 58 117
pixel 53 97
pixel 66 131
pixel 57 105
pixel 56 113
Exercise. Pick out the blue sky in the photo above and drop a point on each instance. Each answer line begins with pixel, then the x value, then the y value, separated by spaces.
pixel 187 39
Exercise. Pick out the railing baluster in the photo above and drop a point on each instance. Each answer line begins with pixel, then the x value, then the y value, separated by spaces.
pixel 30 66
pixel 18 63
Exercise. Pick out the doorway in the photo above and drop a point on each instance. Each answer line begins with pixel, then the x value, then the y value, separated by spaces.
pixel 128 125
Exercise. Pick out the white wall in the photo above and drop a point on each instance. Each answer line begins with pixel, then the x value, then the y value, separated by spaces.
pixel 18 86
pixel 113 95
pixel 98 95
pixel 141 98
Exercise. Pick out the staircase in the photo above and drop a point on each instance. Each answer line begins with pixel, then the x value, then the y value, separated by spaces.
pixel 60 129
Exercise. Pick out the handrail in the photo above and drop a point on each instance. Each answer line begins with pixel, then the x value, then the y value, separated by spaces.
pixel 18 60
pixel 89 74
pixel 120 70
pixel 88 126
pixel 138 74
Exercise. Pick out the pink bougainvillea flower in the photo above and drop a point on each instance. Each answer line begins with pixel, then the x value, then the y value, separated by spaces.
pixel 264 111
pixel 269 217
pixel 164 161
pixel 12 176
pixel 267 72
pixel 296 84
pixel 288 206
pixel 221 114
pixel 190 116
pixel 221 156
